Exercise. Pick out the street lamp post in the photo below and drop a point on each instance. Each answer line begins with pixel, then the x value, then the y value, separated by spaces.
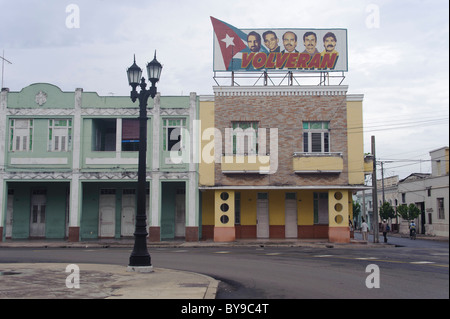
pixel 140 260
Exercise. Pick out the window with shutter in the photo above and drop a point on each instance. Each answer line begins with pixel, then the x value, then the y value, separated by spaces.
pixel 316 137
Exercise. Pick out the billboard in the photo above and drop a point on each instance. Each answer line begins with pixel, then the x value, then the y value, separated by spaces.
pixel 302 50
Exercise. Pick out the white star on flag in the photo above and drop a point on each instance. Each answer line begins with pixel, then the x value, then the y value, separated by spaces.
pixel 228 40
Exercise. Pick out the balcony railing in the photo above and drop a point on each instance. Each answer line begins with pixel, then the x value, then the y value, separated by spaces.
pixel 245 164
pixel 318 163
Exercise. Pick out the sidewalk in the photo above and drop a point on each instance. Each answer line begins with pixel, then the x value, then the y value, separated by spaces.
pixel 53 281
pixel 420 236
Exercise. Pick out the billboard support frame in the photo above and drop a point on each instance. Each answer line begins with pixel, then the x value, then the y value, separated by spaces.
pixel 320 79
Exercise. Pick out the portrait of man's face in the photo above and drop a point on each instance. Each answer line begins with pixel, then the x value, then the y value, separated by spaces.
pixel 310 43
pixel 253 43
pixel 329 44
pixel 289 41
pixel 271 41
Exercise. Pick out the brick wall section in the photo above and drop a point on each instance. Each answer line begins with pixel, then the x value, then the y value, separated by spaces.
pixel 286 113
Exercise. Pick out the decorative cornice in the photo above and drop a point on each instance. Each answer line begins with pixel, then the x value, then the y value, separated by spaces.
pixel 93 176
pixel 355 97
pixel 104 176
pixel 40 112
pixel 23 176
pixel 96 112
pixel 169 112
pixel 206 98
pixel 307 90
pixel 174 176
pixel 110 111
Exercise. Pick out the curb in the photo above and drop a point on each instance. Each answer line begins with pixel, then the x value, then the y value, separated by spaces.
pixel 116 244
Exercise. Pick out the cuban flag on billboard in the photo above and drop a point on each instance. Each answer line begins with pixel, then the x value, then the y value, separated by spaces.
pixel 232 42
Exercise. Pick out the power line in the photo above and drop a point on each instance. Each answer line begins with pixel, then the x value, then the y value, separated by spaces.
pixel 395 117
pixel 399 125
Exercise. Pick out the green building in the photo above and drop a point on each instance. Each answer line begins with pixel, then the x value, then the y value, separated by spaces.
pixel 68 165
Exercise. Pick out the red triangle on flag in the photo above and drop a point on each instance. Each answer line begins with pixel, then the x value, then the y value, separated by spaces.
pixel 230 43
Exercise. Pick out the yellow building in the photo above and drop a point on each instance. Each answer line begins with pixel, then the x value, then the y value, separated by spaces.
pixel 279 162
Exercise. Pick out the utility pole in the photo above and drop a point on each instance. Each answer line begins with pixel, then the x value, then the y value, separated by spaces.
pixel 382 181
pixel 374 194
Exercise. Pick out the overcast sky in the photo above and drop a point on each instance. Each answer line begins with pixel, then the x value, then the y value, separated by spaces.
pixel 398 55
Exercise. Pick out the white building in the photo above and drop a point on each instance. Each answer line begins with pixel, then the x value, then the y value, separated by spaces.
pixel 430 192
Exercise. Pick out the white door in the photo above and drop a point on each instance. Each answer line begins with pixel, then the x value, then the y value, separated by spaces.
pixel 262 216
pixel 128 212
pixel 180 214
pixel 107 213
pixel 9 216
pixel 290 218
pixel 37 218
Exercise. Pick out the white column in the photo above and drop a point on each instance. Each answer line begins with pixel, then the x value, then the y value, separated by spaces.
pixel 3 147
pixel 156 123
pixel 192 209
pixel 75 202
pixel 75 193
pixel 118 137
pixel 154 193
pixel 3 207
pixel 156 149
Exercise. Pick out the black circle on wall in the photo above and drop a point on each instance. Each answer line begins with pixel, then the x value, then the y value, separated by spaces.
pixel 224 219
pixel 338 195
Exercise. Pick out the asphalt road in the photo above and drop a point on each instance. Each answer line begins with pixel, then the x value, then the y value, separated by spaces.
pixel 416 269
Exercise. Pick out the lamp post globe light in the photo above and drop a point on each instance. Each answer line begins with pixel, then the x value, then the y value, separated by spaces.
pixel 140 260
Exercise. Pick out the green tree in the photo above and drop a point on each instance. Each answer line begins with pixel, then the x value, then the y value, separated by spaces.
pixel 408 212
pixel 387 211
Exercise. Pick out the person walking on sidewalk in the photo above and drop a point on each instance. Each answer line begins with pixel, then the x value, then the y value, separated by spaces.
pixel 384 229
pixel 364 230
